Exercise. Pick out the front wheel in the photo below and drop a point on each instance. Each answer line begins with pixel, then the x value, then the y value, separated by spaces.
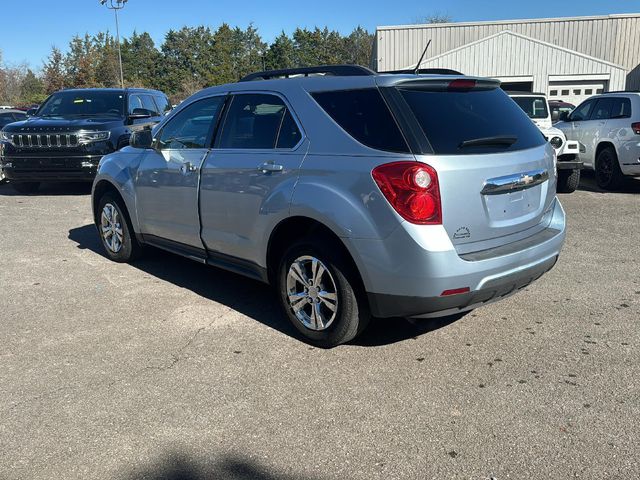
pixel 115 230
pixel 568 181
pixel 319 293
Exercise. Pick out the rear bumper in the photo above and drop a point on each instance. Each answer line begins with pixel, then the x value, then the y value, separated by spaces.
pixel 405 276
pixel 50 169
pixel 491 291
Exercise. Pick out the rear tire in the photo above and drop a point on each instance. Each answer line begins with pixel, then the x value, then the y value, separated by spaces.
pixel 320 293
pixel 568 181
pixel 608 173
pixel 115 230
pixel 25 187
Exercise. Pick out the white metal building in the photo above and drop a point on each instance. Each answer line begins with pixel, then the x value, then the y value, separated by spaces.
pixel 567 58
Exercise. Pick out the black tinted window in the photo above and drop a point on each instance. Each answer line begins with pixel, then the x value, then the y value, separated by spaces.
pixel 583 111
pixel 364 115
pixel 451 118
pixel 289 135
pixel 88 102
pixel 191 127
pixel 602 109
pixel 620 107
pixel 163 103
pixel 252 122
pixel 142 105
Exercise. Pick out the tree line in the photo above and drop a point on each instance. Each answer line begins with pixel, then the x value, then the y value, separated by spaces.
pixel 188 60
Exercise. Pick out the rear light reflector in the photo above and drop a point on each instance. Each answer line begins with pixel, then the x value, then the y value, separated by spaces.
pixel 636 128
pixel 455 291
pixel 412 190
pixel 462 84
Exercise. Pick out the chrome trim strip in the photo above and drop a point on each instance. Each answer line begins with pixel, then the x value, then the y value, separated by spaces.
pixel 515 182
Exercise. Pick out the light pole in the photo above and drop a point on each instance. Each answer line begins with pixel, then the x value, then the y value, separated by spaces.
pixel 116 5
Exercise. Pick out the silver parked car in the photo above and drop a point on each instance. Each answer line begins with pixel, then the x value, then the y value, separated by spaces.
pixel 353 193
pixel 607 127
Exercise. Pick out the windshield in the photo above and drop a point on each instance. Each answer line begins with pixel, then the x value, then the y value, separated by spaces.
pixel 84 103
pixel 534 107
pixel 474 121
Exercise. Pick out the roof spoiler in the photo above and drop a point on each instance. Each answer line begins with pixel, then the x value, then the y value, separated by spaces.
pixel 441 84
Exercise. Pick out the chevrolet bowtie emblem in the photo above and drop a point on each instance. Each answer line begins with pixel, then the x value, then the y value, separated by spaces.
pixel 526 179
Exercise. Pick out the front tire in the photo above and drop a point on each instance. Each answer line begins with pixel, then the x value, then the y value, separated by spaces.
pixel 115 230
pixel 608 173
pixel 320 295
pixel 568 181
pixel 25 187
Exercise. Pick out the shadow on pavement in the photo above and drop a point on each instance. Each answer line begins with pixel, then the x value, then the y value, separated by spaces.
pixel 181 467
pixel 50 189
pixel 588 184
pixel 249 297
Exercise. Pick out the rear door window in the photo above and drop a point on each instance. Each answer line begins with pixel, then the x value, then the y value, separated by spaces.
pixel 471 121
pixel 364 115
pixel 534 107
pixel 602 109
pixel 258 121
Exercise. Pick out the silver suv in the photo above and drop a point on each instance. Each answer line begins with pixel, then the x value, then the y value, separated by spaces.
pixel 608 129
pixel 353 193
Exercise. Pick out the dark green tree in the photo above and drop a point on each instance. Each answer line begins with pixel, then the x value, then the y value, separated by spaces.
pixel 281 53
pixel 141 61
pixel 358 47
pixel 32 89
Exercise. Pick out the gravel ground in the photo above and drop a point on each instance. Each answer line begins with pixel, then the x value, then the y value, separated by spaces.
pixel 170 369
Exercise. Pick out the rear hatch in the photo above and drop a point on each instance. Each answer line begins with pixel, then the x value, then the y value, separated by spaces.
pixel 495 169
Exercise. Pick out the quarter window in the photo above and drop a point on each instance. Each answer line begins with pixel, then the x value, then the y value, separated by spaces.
pixel 258 121
pixel 192 127
pixel 363 115
pixel 620 108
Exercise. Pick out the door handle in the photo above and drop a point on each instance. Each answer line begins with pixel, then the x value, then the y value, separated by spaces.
pixel 270 167
pixel 188 167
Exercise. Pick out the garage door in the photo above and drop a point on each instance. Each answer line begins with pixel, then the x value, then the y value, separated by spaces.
pixel 576 92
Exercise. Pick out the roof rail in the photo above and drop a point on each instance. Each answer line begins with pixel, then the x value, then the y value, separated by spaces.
pixel 427 71
pixel 335 70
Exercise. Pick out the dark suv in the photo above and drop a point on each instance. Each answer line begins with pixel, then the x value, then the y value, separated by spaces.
pixel 72 131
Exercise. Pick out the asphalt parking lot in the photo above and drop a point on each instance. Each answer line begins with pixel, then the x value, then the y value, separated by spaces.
pixel 169 369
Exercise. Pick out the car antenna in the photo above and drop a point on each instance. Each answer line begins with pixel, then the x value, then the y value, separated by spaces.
pixel 424 52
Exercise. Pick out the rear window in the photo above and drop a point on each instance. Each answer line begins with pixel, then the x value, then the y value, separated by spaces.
pixel 457 122
pixel 534 107
pixel 364 115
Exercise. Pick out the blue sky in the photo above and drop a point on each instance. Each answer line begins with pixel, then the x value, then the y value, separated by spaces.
pixel 30 27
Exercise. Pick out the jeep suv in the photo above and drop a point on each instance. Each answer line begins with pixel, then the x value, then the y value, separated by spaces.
pixel 353 193
pixel 536 107
pixel 68 135
pixel 607 127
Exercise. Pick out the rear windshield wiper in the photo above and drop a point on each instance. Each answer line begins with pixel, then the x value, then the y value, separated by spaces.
pixel 498 141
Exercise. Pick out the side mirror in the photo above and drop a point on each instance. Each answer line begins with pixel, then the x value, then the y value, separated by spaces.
pixel 555 115
pixel 564 116
pixel 139 113
pixel 31 112
pixel 141 139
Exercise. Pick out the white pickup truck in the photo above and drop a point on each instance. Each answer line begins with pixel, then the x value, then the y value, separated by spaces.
pixel 535 105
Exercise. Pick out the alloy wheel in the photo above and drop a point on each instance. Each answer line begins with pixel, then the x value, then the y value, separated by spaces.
pixel 312 293
pixel 111 228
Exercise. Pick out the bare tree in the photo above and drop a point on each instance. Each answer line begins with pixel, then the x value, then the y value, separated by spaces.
pixel 437 17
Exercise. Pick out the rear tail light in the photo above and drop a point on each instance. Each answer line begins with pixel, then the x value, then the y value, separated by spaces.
pixel 455 291
pixel 412 190
pixel 636 128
